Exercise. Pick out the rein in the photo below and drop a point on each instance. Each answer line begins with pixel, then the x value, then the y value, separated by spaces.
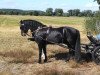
pixel 60 44
pixel 28 35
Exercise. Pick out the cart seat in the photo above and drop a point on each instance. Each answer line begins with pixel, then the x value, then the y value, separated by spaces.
pixel 92 39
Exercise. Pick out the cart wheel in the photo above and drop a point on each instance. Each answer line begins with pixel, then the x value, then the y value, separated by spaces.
pixel 96 55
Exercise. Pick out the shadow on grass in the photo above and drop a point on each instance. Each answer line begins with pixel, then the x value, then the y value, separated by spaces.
pixel 27 56
pixel 85 57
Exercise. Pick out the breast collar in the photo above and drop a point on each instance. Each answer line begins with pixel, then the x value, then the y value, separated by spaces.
pixel 39 28
pixel 48 30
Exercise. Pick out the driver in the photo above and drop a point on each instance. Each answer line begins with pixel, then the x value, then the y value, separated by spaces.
pixel 98 37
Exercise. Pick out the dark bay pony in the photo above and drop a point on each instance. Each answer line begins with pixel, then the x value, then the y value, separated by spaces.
pixel 48 35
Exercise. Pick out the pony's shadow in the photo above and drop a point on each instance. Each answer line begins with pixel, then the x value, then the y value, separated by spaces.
pixel 23 56
pixel 85 57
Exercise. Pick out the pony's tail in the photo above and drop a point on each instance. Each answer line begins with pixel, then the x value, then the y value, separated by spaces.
pixel 78 48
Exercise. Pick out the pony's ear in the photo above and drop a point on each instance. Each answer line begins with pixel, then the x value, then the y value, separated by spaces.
pixel 21 21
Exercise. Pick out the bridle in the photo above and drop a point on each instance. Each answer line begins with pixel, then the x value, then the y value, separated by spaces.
pixel 28 35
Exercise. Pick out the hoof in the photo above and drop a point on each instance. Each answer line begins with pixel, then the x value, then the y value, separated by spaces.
pixel 67 59
pixel 78 60
pixel 45 61
pixel 39 62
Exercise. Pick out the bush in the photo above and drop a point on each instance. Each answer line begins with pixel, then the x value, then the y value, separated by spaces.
pixel 90 23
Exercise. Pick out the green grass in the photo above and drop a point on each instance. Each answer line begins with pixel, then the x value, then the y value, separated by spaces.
pixel 9 20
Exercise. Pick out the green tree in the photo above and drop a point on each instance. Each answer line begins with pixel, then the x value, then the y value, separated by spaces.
pixel 42 13
pixel 58 12
pixel 31 13
pixel 49 11
pixel 35 13
pixel 70 12
pixel 98 1
pixel 87 13
pixel 74 12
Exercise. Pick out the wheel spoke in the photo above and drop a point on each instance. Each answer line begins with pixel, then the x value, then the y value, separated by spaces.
pixel 96 55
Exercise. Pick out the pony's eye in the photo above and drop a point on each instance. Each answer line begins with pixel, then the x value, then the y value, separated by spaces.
pixel 21 27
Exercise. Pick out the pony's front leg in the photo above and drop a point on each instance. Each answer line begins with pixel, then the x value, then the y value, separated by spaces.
pixel 69 55
pixel 40 53
pixel 72 53
pixel 77 56
pixel 45 53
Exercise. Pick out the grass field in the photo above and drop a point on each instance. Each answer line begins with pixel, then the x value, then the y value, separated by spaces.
pixel 14 20
pixel 18 56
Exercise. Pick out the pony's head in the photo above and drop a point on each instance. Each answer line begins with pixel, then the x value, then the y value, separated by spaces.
pixel 24 28
pixel 33 25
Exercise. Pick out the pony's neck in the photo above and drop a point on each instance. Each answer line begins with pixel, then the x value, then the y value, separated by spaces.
pixel 34 28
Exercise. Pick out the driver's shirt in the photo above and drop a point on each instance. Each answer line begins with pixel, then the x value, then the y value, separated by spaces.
pixel 98 37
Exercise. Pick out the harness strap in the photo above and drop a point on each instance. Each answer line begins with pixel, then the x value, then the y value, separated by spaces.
pixel 63 35
pixel 60 44
pixel 48 31
pixel 28 35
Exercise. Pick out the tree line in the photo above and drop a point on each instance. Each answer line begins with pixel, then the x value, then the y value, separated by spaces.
pixel 48 12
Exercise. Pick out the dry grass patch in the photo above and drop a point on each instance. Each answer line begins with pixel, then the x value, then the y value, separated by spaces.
pixel 18 56
pixel 74 64
pixel 56 69
pixel 54 72
pixel 6 73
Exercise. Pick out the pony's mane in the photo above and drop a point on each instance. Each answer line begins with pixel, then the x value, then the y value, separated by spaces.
pixel 34 22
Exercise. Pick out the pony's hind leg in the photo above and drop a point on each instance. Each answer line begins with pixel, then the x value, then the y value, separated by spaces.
pixel 69 55
pixel 40 53
pixel 77 56
pixel 45 53
pixel 78 48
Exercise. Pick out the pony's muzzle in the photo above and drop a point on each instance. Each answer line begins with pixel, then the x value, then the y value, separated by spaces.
pixel 23 34
pixel 31 39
